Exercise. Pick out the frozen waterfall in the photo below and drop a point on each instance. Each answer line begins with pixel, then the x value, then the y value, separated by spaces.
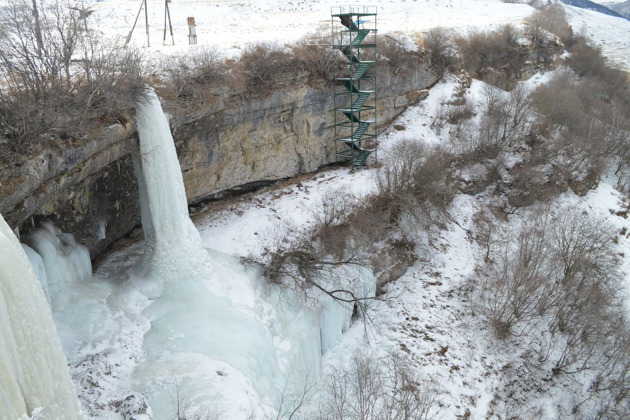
pixel 196 316
pixel 171 240
pixel 34 376
pixel 58 262
pixel 204 310
pixel 214 315
pixel 183 319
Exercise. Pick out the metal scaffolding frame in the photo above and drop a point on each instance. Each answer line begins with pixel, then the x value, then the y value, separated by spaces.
pixel 354 33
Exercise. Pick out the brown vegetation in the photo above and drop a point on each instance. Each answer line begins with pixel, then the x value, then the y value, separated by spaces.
pixel 60 81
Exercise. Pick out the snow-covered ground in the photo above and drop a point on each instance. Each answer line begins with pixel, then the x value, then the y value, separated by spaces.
pixel 608 32
pixel 427 316
pixel 232 24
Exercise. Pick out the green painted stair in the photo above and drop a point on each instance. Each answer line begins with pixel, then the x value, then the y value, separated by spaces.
pixel 363 156
pixel 356 104
pixel 359 71
pixel 362 33
pixel 358 101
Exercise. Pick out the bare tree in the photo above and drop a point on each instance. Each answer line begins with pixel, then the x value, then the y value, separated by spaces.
pixel 558 286
pixel 515 284
pixel 370 388
pixel 58 77
pixel 413 182
pixel 439 43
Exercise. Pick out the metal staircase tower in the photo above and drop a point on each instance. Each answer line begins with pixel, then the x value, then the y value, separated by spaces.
pixel 355 100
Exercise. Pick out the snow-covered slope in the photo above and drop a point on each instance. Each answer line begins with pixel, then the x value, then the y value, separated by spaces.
pixel 428 315
pixel 607 32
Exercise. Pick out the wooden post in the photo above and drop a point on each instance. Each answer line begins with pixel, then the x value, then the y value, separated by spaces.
pixel 146 22
pixel 146 19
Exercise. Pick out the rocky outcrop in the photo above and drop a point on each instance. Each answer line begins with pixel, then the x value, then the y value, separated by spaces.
pixel 89 188
pixel 240 140
pixel 86 187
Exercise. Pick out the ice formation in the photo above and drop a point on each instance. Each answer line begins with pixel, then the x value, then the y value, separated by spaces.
pixel 204 310
pixel 34 376
pixel 58 262
pixel 171 240
pixel 214 309
pixel 185 320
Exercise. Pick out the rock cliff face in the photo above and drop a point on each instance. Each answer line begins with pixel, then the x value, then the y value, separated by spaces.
pixel 90 189
pixel 239 141
pixel 87 188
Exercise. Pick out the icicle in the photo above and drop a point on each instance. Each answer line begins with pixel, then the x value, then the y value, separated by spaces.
pixel 66 262
pixel 33 370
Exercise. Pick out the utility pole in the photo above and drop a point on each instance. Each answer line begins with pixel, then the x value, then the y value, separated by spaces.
pixel 38 30
pixel 167 13
pixel 146 22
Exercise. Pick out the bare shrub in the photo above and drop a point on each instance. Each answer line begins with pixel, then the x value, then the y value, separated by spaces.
pixel 413 182
pixel 295 397
pixel 487 233
pixel 614 379
pixel 498 50
pixel 334 223
pixel 620 140
pixel 557 101
pixel 366 380
pixel 558 285
pixel 577 142
pixel 439 44
pixel 60 79
pixel 400 59
pixel 185 409
pixel 114 78
pixel 507 116
pixel 189 77
pixel 584 299
pixel 302 263
pixel 587 61
pixel 598 102
pixel 516 283
pixel 409 397
pixel 549 18
pixel 324 259
pixel 505 121
pixel 458 114
pixel 368 390
pixel 264 66
pixel 347 224
pixel 320 61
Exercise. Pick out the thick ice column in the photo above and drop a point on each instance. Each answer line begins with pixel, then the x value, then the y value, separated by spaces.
pixel 197 315
pixel 34 375
pixel 170 236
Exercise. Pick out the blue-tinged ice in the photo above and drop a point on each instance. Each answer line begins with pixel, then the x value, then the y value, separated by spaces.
pixel 186 320
pixel 34 376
